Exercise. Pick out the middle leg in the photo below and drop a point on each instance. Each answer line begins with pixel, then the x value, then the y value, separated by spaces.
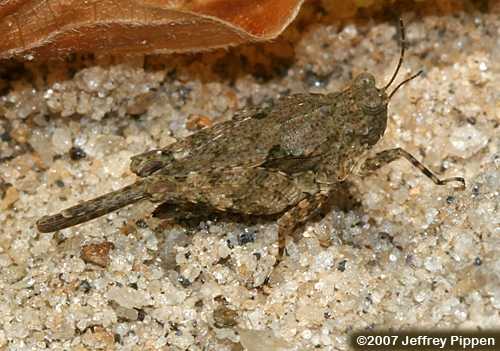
pixel 297 215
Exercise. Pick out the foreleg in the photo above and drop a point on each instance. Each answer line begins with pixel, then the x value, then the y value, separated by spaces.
pixel 384 157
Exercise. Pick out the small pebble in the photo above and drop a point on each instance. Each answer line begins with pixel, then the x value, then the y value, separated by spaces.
pixel 196 122
pixel 97 254
pixel 225 317
pixel 246 237
pixel 77 153
pixel 10 197
pixel 467 141
pixel 61 139
pixel 341 266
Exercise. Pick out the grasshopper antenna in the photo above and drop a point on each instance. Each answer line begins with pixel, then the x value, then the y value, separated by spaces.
pixel 402 55
pixel 401 58
pixel 404 82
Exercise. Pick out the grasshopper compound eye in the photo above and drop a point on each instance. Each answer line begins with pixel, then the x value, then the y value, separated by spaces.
pixel 364 81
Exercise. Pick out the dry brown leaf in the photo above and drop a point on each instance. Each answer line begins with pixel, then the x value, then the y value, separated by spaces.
pixel 51 28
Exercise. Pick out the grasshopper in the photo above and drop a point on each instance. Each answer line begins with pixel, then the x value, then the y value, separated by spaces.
pixel 285 159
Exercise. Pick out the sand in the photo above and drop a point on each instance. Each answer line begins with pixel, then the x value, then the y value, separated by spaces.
pixel 406 254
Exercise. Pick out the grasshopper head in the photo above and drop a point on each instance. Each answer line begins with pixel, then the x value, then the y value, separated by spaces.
pixel 371 104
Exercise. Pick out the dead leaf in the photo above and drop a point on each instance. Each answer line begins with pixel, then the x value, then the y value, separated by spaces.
pixel 43 28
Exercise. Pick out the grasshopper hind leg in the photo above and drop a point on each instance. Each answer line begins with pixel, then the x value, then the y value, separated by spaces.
pixel 93 208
